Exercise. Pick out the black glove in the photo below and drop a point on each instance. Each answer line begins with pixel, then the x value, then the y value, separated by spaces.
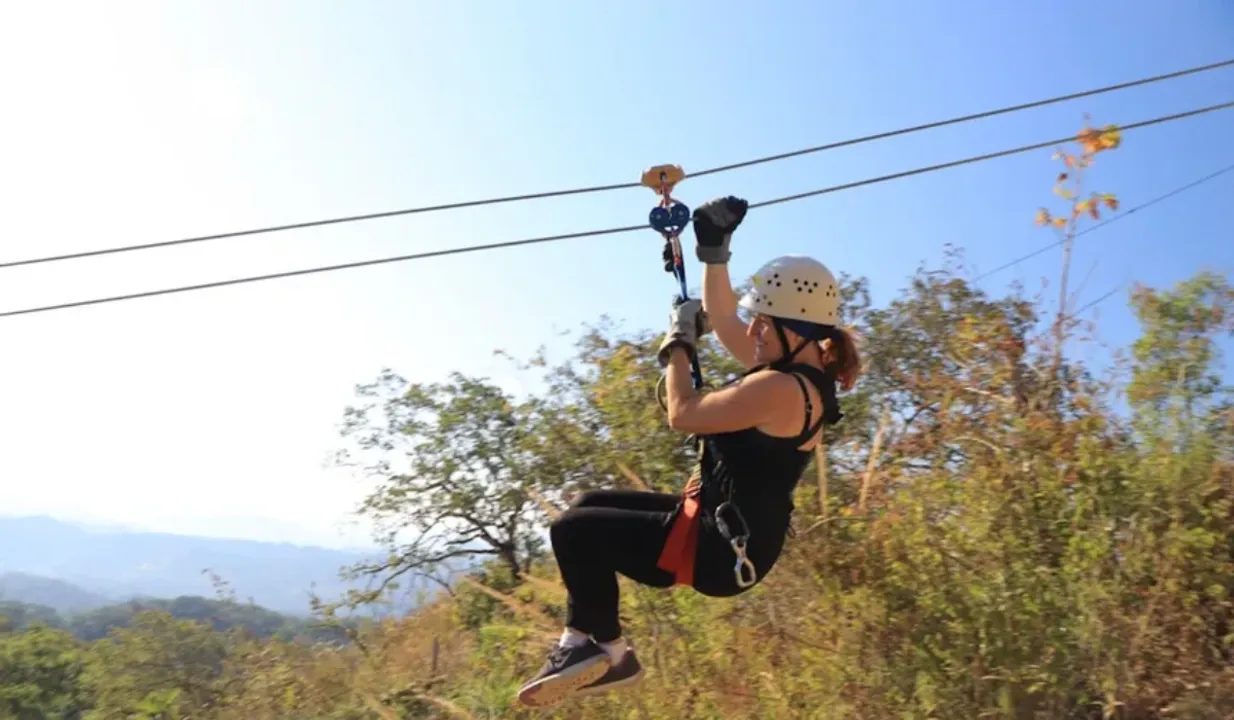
pixel 714 223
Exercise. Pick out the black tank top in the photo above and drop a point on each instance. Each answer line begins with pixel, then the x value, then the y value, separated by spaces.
pixel 758 472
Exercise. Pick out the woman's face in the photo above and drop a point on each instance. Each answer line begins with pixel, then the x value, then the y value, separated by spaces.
pixel 766 345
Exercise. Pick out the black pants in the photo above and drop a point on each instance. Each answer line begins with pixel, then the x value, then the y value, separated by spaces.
pixel 605 532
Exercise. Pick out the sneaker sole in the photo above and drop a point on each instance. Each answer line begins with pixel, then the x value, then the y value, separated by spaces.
pixel 552 689
pixel 615 685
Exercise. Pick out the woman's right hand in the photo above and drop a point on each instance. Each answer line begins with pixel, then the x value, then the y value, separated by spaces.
pixel 714 222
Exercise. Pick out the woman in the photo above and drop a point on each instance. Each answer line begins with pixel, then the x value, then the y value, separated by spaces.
pixel 755 437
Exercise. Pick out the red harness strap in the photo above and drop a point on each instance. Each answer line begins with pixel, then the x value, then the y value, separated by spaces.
pixel 681 546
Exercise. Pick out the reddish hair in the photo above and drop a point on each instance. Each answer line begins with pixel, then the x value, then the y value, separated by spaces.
pixel 841 356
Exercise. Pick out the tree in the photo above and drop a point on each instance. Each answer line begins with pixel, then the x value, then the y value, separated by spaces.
pixel 159 667
pixel 41 674
pixel 451 468
pixel 1177 358
pixel 1091 142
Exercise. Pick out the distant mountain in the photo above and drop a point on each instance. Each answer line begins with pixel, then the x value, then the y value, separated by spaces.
pixel 109 566
pixel 58 595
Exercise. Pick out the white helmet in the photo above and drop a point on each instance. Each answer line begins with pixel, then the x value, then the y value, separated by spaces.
pixel 795 287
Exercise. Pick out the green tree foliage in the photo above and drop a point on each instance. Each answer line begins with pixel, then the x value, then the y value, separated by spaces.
pixel 40 672
pixel 159 667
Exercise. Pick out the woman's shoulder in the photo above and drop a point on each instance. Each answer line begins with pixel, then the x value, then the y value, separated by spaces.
pixel 765 375
pixel 766 382
pixel 768 378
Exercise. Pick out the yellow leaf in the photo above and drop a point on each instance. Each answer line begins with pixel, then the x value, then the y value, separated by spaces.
pixel 1110 201
pixel 1111 137
pixel 1062 192
pixel 1059 222
pixel 1042 217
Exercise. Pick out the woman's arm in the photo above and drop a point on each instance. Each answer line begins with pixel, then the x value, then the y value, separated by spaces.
pixel 758 400
pixel 720 304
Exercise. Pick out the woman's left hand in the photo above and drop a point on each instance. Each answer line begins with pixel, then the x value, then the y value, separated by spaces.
pixel 688 322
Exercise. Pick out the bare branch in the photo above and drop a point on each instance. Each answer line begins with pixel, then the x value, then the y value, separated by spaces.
pixel 634 479
pixel 549 508
pixel 868 478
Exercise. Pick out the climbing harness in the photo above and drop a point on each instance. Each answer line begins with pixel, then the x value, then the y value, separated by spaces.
pixel 681 546
pixel 669 218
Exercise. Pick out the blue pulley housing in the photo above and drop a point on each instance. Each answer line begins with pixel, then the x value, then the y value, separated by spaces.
pixel 670 220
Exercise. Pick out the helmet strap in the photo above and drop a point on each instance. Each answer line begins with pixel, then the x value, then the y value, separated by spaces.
pixel 787 356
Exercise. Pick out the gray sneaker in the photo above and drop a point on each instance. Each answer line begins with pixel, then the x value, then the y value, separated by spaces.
pixel 566 670
pixel 627 672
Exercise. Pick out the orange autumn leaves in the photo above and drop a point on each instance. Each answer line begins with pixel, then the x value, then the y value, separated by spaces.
pixel 1092 141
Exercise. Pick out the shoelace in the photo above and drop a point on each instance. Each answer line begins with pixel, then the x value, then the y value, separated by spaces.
pixel 558 655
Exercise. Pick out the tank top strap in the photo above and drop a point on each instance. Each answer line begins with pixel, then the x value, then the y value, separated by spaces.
pixel 824 381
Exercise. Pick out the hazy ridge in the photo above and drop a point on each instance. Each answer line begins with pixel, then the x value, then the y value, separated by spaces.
pixel 71 568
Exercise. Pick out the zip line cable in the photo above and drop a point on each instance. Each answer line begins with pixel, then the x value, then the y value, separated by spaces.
pixel 582 234
pixel 1107 221
pixel 964 118
pixel 1097 301
pixel 987 156
pixel 615 186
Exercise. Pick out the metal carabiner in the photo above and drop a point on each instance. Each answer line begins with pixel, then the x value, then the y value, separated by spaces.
pixel 723 527
pixel 744 570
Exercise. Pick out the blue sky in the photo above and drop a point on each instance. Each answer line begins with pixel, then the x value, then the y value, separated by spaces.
pixel 212 412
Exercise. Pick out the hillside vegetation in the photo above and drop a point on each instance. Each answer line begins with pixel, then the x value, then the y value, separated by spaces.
pixel 994 531
pixel 221 614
